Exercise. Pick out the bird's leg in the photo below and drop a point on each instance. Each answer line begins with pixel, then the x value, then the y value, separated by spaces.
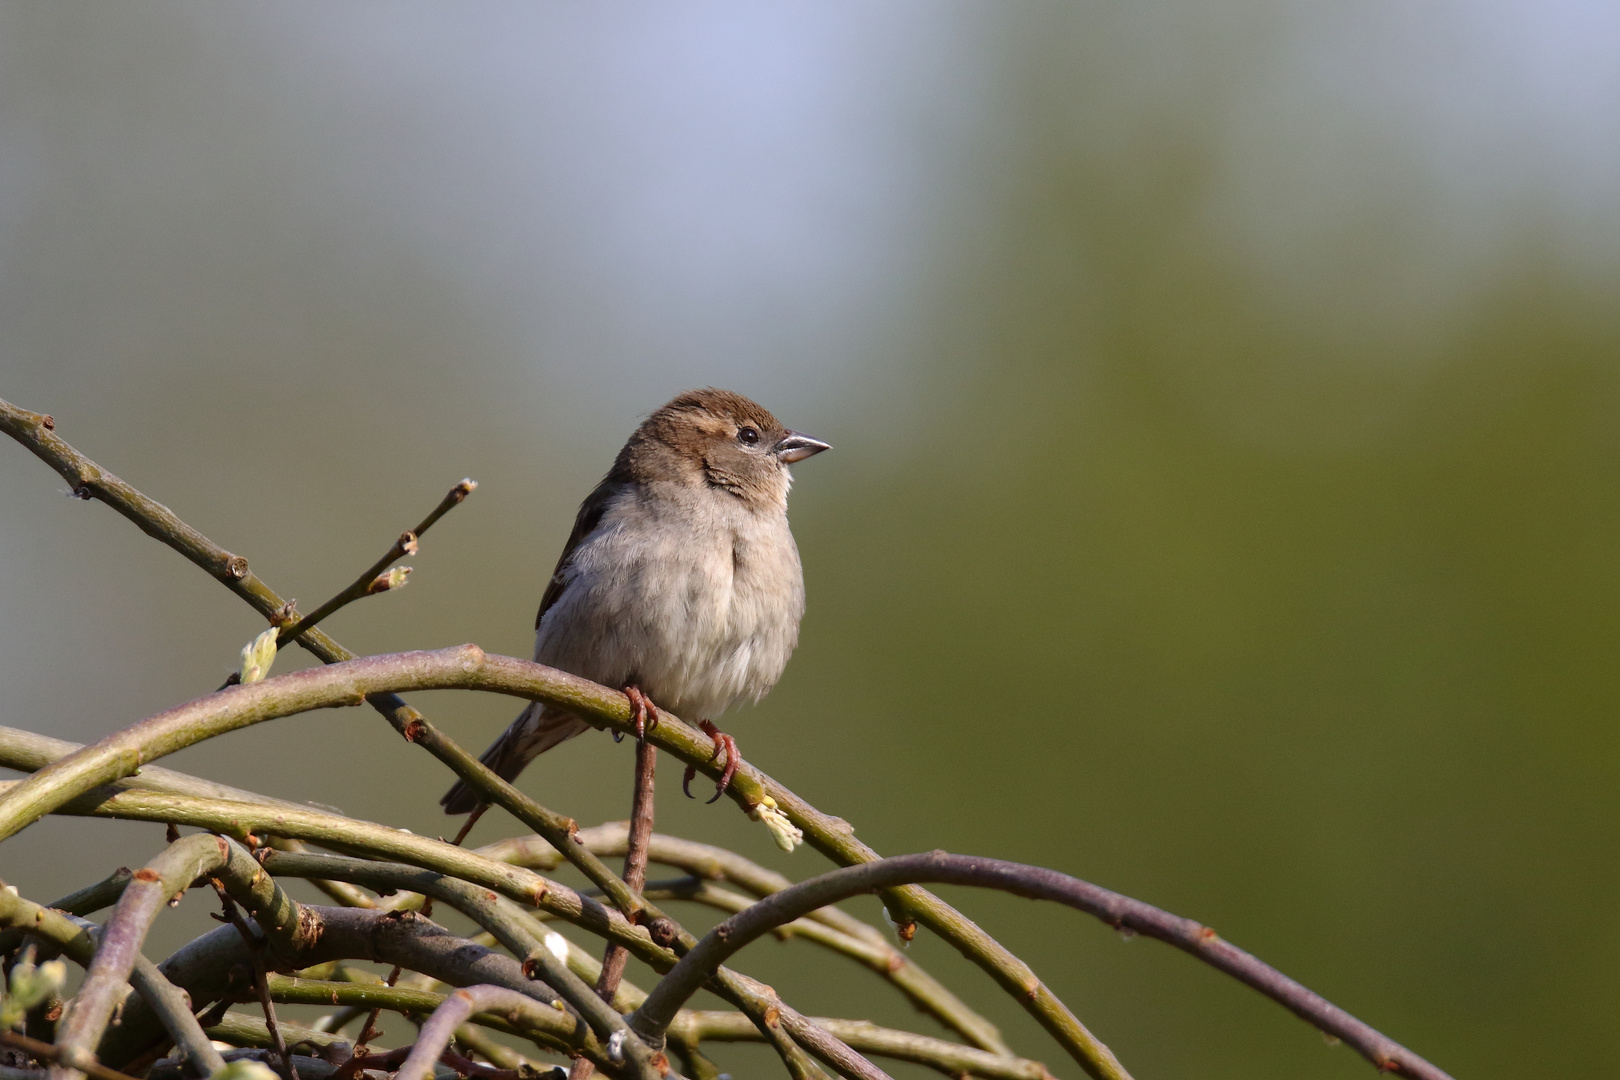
pixel 723 743
pixel 642 711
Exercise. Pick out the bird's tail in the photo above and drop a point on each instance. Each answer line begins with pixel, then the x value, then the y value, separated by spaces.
pixel 535 731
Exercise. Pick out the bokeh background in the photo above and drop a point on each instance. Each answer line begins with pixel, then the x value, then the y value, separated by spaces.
pixel 1226 498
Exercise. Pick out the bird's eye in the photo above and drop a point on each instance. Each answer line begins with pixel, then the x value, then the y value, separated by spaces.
pixel 748 436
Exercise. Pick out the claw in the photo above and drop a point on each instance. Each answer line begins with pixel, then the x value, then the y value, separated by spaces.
pixel 725 744
pixel 686 781
pixel 642 711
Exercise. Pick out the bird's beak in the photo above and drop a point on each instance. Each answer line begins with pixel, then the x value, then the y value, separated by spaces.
pixel 797 447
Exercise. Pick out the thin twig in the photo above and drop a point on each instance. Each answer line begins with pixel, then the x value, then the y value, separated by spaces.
pixel 635 859
pixel 692 1027
pixel 615 956
pixel 436 1032
pixel 255 946
pixel 367 584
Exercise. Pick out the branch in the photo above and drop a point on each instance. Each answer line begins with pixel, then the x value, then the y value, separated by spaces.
pixel 120 942
pixel 523 1016
pixel 690 1028
pixel 849 935
pixel 367 583
pixel 256 948
pixel 1039 883
pixel 210 968
pixel 76 938
pixel 475 903
pixel 635 860
pixel 435 1035
pixel 28 751
pixel 85 901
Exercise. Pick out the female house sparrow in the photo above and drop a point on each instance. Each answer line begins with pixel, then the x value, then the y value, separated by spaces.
pixel 680 582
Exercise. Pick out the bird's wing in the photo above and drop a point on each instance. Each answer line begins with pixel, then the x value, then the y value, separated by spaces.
pixel 585 523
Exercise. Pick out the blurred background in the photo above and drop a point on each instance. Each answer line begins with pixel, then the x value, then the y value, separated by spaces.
pixel 1226 498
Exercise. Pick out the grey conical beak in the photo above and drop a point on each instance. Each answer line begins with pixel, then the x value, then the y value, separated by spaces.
pixel 797 447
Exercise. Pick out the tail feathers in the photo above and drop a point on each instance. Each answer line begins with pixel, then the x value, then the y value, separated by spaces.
pixel 534 732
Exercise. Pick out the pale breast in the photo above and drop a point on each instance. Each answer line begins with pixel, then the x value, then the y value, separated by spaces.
pixel 695 599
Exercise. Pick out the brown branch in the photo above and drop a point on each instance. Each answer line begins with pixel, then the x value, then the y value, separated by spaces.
pixel 635 858
pixel 1116 910
pixel 435 1034
pixel 205 968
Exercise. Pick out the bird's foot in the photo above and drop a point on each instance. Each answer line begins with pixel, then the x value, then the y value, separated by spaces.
pixel 723 744
pixel 642 711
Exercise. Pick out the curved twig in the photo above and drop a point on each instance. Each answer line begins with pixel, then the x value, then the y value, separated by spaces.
pixel 1116 910
pixel 435 1034
pixel 29 751
pixel 44 1051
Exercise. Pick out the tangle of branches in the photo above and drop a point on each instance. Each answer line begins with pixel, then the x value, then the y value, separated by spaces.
pixel 517 975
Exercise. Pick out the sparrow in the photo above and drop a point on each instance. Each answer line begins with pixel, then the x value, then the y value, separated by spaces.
pixel 680 582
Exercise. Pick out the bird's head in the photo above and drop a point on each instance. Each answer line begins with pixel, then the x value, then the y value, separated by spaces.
pixel 722 440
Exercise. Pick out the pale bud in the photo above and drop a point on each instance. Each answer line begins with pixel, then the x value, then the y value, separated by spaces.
pixel 392 579
pixel 258 655
pixel 30 985
pixel 784 832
